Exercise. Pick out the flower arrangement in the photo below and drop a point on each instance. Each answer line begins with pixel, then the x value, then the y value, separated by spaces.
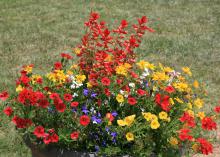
pixel 110 103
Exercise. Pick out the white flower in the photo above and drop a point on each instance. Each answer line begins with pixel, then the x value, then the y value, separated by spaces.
pixel 75 95
pixel 132 85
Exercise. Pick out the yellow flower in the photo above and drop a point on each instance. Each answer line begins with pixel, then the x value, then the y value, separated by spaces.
pixel 201 115
pixel 190 112
pixel 160 76
pixel 74 66
pixel 28 69
pixel 187 71
pixel 57 76
pixel 121 122
pixel 34 78
pixel 167 69
pixel 143 64
pixel 171 101
pixel 130 136
pixel 163 115
pixel 129 120
pixel 121 70
pixel 168 119
pixel 189 105
pixel 127 65
pixel 181 86
pixel 198 103
pixel 77 50
pixel 19 88
pixel 89 85
pixel 147 115
pixel 69 72
pixel 173 141
pixel 179 100
pixel 154 117
pixel 80 78
pixel 196 84
pixel 195 147
pixel 154 124
pixel 120 98
pixel 108 58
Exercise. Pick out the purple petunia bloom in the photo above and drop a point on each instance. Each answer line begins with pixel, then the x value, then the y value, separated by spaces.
pixel 84 109
pixel 114 113
pixel 85 92
pixel 114 134
pixel 96 120
pixel 93 95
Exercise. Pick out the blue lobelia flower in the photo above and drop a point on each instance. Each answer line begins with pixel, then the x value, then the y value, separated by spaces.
pixel 85 92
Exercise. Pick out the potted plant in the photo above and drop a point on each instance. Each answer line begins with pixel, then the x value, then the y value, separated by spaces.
pixel 108 103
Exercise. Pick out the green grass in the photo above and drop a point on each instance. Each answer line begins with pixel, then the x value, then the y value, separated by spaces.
pixel 31 31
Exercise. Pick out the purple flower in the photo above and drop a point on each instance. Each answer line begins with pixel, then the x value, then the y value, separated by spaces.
pixel 96 120
pixel 107 129
pixel 114 113
pixel 96 148
pixel 146 84
pixel 85 92
pixel 84 109
pixel 93 95
pixel 74 110
pixel 114 134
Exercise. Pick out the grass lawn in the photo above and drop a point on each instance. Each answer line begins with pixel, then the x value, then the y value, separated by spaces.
pixel 36 31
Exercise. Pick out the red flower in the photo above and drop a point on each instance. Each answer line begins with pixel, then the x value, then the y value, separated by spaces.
pixel 43 103
pixel 183 135
pixel 54 96
pixel 21 122
pixel 141 92
pixel 169 89
pixel 8 111
pixel 132 101
pixel 84 120
pixel 208 124
pixel 74 135
pixel 217 109
pixel 105 81
pixel 74 104
pixel 58 65
pixel 186 117
pixel 47 139
pixel 39 131
pixel 54 138
pixel 205 146
pixel 60 107
pixel 4 95
pixel 67 97
pixel 66 56
pixel 163 101
pixel 110 117
pixel 107 92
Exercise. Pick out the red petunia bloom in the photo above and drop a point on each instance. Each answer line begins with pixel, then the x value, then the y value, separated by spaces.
pixel 110 117
pixel 67 97
pixel 8 111
pixel 39 132
pixel 163 101
pixel 54 96
pixel 60 107
pixel 43 103
pixel 21 122
pixel 169 89
pixel 84 120
pixel 74 135
pixel 66 56
pixel 105 81
pixel 184 135
pixel 57 65
pixel 4 95
pixel 208 124
pixel 46 139
pixel 74 104
pixel 186 117
pixel 205 146
pixel 107 92
pixel 141 92
pixel 217 109
pixel 54 138
pixel 132 101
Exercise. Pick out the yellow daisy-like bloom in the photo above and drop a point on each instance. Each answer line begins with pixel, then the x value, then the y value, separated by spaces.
pixel 80 78
pixel 57 76
pixel 130 136
pixel 167 69
pixel 201 115
pixel 187 71
pixel 89 85
pixel 147 115
pixel 190 112
pixel 181 86
pixel 121 122
pixel 144 64
pixel 171 101
pixel 173 141
pixel 163 115
pixel 121 70
pixel 160 76
pixel 28 69
pixel 179 100
pixel 77 50
pixel 69 72
pixel 34 78
pixel 154 124
pixel 74 66
pixel 120 98
pixel 196 84
pixel 127 65
pixel 198 103
pixel 19 88
pixel 129 120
